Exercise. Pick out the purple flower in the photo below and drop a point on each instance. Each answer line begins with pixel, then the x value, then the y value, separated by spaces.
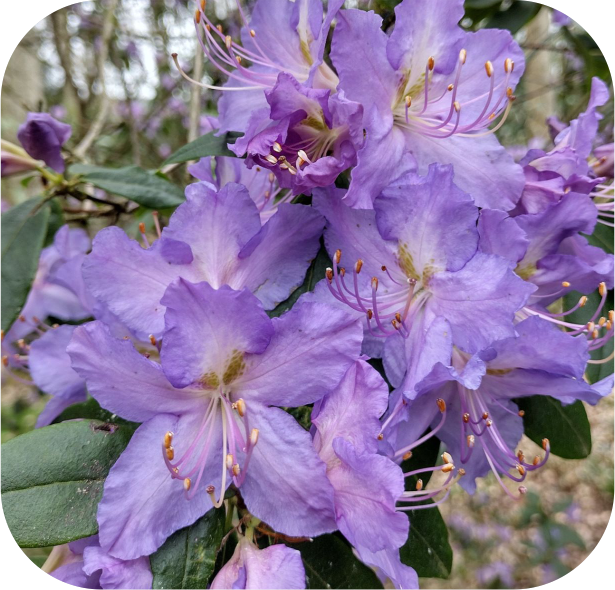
pixel 481 425
pixel 548 250
pixel 43 137
pixel 548 176
pixel 561 19
pixel 87 566
pixel 429 92
pixel 412 262
pixel 14 163
pixel 604 155
pixel 366 485
pixel 277 566
pixel 280 37
pixel 307 137
pixel 207 415
pixel 216 237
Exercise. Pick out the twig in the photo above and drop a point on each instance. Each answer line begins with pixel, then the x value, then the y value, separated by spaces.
pixel 101 117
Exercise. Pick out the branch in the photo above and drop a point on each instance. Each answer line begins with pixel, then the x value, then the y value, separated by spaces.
pixel 103 110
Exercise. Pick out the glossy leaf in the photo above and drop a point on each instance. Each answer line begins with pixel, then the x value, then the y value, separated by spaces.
pixel 134 183
pixel 206 145
pixel 188 557
pixel 23 234
pixel 51 497
pixel 427 549
pixel 330 563
pixel 91 410
pixel 566 427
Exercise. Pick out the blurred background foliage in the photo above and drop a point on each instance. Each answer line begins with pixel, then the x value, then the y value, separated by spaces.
pixel 105 67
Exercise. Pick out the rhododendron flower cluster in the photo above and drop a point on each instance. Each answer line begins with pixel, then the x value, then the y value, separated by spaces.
pixel 439 307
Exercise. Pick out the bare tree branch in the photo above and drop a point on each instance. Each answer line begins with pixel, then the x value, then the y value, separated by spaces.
pixel 103 110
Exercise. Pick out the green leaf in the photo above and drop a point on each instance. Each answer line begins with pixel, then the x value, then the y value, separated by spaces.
pixel 91 410
pixel 52 480
pixel 515 17
pixel 315 273
pixel 427 549
pixel 566 427
pixel 206 145
pixel 23 234
pixel 602 237
pixel 188 557
pixel 134 183
pixel 330 563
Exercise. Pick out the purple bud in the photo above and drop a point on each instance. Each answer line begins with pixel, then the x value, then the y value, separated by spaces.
pixel 14 164
pixel 42 137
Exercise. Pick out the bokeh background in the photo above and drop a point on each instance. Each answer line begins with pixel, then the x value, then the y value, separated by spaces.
pixel 105 67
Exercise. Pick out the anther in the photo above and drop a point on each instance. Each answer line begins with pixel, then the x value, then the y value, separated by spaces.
pixel 545 444
pixel 238 58
pixel 470 440
pixel 271 177
pixel 254 436
pixel 520 456
pixel 219 27
pixel 380 436
pixel 187 483
pixel 590 326
pixel 271 159
pixel 461 472
pixel 611 315
pixel 142 227
pixel 457 106
pixel 450 87
pixel 441 405
pixel 5 360
pixel 395 324
pixel 337 256
pixel 197 16
pixel 448 467
pixel 277 147
pixel 446 457
pixel 203 5
pixel 463 54
pixel 509 65
pixel 236 470
pixel 170 453
pixel 370 314
pixel 602 321
pixel 489 423
pixel 489 68
pixel 398 317
pixel 431 62
pixel 521 413
pixel 419 485
pixel 1 335
pixel 520 469
pixel 342 271
pixel 252 33
pixel 485 415
pixel 608 324
pixel 375 283
pixel 595 333
pixel 408 101
pixel 466 417
pixel 582 301
pixel 329 274
pixel 358 266
pixel 406 456
pixel 210 489
pixel 168 439
pixel 152 339
pixel 602 289
pixel 240 406
pixel 509 92
pixel 536 460
pixel 229 461
pixel 22 318
pixel 565 284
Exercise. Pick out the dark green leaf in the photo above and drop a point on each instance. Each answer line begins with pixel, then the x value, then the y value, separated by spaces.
pixel 188 557
pixel 427 549
pixel 566 427
pixel 315 273
pixel 23 233
pixel 519 14
pixel 206 145
pixel 134 183
pixel 330 563
pixel 602 237
pixel 91 410
pixel 56 220
pixel 559 535
pixel 481 3
pixel 52 480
